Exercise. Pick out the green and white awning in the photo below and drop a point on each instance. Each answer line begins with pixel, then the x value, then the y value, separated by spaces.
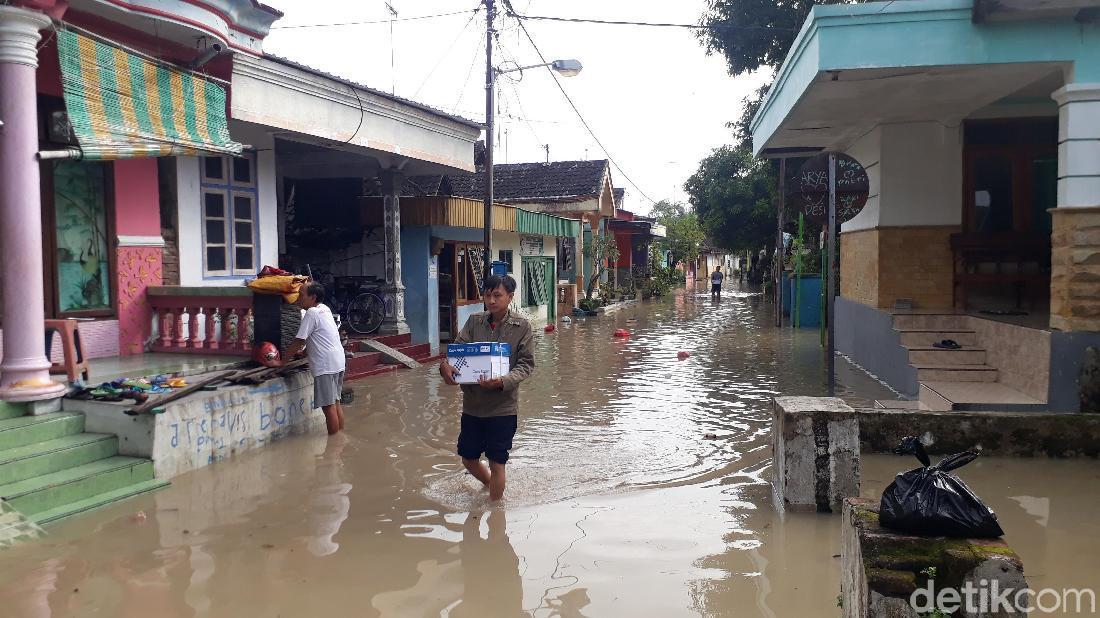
pixel 123 106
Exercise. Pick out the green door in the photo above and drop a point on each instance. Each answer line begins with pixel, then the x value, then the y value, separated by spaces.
pixel 539 284
pixel 552 288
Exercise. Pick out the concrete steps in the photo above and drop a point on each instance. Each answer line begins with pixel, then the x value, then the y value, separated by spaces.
pixel 930 322
pixel 920 338
pixel 975 396
pixel 958 379
pixel 97 500
pixel 366 362
pixel 943 357
pixel 955 373
pixel 51 468
pixel 43 493
pixel 24 462
pixel 24 430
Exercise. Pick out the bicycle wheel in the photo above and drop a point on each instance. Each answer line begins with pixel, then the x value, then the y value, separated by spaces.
pixel 365 313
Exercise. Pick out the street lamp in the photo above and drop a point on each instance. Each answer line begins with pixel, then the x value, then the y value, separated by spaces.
pixel 565 68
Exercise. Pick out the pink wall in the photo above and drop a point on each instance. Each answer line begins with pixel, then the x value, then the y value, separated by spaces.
pixel 137 213
pixel 137 197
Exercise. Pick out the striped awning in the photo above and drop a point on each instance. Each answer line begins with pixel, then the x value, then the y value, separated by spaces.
pixel 123 106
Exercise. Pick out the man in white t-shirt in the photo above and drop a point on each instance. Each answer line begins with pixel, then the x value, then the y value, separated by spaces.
pixel 321 339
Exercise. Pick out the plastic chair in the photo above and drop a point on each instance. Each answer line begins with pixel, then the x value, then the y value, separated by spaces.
pixel 73 363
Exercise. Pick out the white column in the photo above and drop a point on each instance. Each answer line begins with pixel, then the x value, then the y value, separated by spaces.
pixel 24 373
pixel 1075 241
pixel 1078 145
pixel 394 322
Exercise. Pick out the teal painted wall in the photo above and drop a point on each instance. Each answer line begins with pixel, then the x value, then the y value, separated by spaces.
pixel 421 293
pixel 919 34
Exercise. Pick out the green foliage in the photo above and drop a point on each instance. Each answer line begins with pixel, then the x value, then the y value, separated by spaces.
pixel 684 234
pixel 589 304
pixel 752 34
pixel 809 256
pixel 732 193
pixel 742 127
pixel 929 572
pixel 601 250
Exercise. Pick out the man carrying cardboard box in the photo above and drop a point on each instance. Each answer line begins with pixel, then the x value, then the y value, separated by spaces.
pixel 490 408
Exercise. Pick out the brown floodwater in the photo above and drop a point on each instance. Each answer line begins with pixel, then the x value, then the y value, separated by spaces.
pixel 616 503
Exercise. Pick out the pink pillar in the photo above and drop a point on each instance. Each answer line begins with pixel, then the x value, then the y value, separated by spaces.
pixel 24 372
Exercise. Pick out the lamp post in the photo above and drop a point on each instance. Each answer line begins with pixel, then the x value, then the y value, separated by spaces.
pixel 565 68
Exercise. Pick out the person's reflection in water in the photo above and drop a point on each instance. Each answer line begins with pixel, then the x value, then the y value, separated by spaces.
pixel 490 570
pixel 330 502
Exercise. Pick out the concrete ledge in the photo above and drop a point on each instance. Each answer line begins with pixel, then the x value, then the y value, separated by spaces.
pixel 15 528
pixel 1005 434
pixel 881 570
pixel 815 446
pixel 619 306
pixel 209 426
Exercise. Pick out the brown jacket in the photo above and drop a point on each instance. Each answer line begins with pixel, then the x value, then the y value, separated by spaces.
pixel 516 332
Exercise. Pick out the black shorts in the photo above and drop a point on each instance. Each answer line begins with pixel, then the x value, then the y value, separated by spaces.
pixel 490 435
pixel 716 288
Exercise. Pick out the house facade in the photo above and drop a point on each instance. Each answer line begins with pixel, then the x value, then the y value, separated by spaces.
pixel 579 190
pixel 443 261
pixel 634 236
pixel 319 157
pixel 84 123
pixel 979 125
pixel 145 214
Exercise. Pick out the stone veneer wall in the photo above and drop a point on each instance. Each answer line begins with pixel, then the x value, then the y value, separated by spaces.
pixel 1075 269
pixel 859 265
pixel 1020 354
pixel 881 265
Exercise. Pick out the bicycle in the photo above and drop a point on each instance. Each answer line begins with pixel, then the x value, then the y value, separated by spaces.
pixel 358 302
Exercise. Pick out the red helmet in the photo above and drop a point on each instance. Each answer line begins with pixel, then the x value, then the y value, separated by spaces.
pixel 267 354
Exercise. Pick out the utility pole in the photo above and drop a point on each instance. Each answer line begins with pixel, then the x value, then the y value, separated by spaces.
pixel 547 148
pixel 490 86
pixel 393 53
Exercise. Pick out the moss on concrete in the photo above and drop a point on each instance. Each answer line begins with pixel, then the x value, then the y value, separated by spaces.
pixel 996 433
pixel 897 560
pixel 891 583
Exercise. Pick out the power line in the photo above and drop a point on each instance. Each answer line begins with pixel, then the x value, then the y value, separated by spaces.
pixel 447 52
pixel 469 72
pixel 578 20
pixel 519 103
pixel 373 21
pixel 576 110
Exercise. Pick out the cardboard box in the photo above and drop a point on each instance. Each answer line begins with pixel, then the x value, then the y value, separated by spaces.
pixel 474 360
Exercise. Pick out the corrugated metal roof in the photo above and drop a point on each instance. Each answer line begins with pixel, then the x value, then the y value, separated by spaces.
pixel 528 222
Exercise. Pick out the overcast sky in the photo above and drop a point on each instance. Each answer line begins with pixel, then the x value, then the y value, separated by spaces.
pixel 651 95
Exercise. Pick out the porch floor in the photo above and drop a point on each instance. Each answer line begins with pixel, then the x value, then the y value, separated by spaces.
pixel 993 393
pixel 1038 320
pixel 155 363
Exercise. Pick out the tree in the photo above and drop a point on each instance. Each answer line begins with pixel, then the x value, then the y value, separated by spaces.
pixel 683 234
pixel 601 250
pixel 732 193
pixel 754 33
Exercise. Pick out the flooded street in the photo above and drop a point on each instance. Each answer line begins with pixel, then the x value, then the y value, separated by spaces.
pixel 616 503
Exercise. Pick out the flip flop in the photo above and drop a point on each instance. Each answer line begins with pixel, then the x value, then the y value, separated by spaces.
pixel 947 344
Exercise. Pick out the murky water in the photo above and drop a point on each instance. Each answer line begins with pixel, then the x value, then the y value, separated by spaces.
pixel 616 504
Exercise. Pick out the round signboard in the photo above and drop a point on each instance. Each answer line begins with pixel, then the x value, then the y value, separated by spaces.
pixel 812 187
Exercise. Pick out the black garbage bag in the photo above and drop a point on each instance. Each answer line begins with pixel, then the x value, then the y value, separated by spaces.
pixel 931 501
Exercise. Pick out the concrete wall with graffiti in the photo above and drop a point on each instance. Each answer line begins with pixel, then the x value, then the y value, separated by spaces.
pixel 212 426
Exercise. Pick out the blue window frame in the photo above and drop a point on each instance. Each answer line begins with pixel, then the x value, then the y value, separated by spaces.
pixel 230 226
